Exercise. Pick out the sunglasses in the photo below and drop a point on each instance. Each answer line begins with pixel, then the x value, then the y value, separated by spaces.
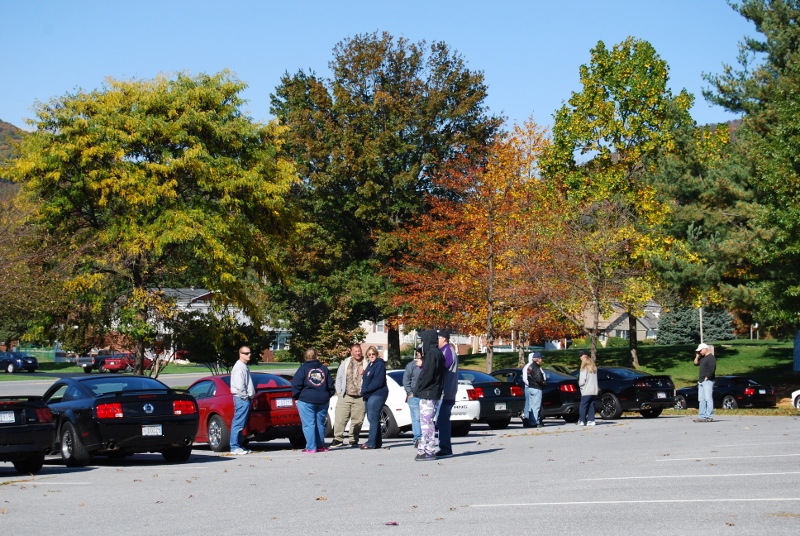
pixel 245 353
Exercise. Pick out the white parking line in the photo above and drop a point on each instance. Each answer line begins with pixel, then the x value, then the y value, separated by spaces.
pixel 654 501
pixel 687 476
pixel 722 457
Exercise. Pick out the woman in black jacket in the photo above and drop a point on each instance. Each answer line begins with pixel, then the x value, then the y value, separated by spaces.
pixel 429 390
pixel 375 392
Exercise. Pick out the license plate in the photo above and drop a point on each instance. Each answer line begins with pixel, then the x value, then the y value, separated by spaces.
pixel 7 416
pixel 661 395
pixel 762 391
pixel 283 402
pixel 151 430
pixel 499 406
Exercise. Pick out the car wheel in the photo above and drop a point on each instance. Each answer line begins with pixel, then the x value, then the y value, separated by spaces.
pixel 571 418
pixel 29 466
pixel 177 454
pixel 651 413
pixel 73 452
pixel 680 402
pixel 797 402
pixel 388 424
pixel 729 402
pixel 328 427
pixel 128 368
pixel 87 370
pixel 101 368
pixel 610 408
pixel 219 437
pixel 460 428
pixel 298 441
pixel 499 424
pixel 11 368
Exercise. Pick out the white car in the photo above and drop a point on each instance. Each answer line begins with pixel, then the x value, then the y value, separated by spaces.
pixel 796 399
pixel 396 417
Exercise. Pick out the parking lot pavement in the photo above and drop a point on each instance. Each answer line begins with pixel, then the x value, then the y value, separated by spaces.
pixel 738 475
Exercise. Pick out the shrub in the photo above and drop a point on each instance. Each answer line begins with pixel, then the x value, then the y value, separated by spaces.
pixel 282 356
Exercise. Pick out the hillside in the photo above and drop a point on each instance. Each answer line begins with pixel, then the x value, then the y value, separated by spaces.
pixel 8 133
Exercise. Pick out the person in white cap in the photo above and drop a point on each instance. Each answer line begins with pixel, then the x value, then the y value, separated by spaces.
pixel 705 359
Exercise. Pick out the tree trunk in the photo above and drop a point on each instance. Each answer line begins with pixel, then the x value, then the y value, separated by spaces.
pixel 593 331
pixel 393 336
pixel 633 340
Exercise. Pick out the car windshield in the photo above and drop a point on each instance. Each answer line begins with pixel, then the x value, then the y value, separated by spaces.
pixel 475 376
pixel 119 384
pixel 263 381
pixel 626 372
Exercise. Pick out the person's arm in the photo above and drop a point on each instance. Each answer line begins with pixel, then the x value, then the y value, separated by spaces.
pixel 341 378
pixel 407 374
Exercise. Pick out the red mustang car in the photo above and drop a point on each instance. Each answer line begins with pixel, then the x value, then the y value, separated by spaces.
pixel 273 413
pixel 124 361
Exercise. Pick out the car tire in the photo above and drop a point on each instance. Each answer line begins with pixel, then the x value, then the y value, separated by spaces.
pixel 651 413
pixel 571 418
pixel 499 424
pixel 610 408
pixel 797 402
pixel 680 402
pixel 73 452
pixel 297 441
pixel 729 402
pixel 29 466
pixel 328 426
pixel 219 436
pixel 128 368
pixel 177 454
pixel 87 370
pixel 11 368
pixel 460 428
pixel 101 368
pixel 388 424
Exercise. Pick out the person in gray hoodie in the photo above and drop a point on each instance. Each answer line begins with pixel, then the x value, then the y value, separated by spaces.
pixel 410 376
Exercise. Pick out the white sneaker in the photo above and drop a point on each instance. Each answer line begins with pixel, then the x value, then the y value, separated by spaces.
pixel 579 423
pixel 240 452
pixel 590 423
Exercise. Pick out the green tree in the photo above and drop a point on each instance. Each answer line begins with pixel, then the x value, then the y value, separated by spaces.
pixel 604 140
pixel 366 142
pixel 764 89
pixel 681 325
pixel 157 181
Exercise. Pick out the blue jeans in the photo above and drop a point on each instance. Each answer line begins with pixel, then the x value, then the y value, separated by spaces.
pixel 374 407
pixel 586 410
pixel 241 410
pixel 705 396
pixel 533 405
pixel 444 426
pixel 413 408
pixel 312 416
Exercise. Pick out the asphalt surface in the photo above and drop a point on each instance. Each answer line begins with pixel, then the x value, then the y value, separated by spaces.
pixel 738 475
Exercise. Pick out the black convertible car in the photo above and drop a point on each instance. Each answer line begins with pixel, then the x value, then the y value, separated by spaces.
pixel 121 415
pixel 561 396
pixel 730 392
pixel 623 389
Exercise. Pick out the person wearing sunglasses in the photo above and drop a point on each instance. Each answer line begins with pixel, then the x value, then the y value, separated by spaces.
pixel 375 392
pixel 243 392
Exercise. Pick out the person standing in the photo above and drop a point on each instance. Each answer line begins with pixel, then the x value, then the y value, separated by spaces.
pixel 429 391
pixel 350 405
pixel 533 376
pixel 243 391
pixel 375 392
pixel 449 390
pixel 312 388
pixel 704 358
pixel 587 381
pixel 410 376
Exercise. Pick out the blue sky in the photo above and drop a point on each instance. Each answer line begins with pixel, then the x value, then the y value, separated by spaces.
pixel 529 51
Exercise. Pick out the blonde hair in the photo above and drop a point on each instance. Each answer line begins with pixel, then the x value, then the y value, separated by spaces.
pixel 588 364
pixel 373 349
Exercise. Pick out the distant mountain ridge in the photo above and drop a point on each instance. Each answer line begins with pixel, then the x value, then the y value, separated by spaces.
pixel 8 133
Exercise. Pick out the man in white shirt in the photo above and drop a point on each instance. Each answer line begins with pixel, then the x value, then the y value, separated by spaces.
pixel 243 392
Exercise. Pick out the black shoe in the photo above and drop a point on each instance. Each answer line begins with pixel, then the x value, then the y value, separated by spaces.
pixel 336 443
pixel 425 457
pixel 539 426
pixel 443 454
pixel 354 445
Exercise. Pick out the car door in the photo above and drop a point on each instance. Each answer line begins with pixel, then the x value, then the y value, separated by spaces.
pixel 203 391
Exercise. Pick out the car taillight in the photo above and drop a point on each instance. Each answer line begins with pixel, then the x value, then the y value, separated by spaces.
pixel 749 391
pixel 568 388
pixel 112 410
pixel 44 415
pixel 182 407
pixel 474 393
pixel 641 385
pixel 516 390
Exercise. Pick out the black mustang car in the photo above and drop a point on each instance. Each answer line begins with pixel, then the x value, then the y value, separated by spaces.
pixel 499 401
pixel 560 398
pixel 26 432
pixel 730 392
pixel 121 415
pixel 623 389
